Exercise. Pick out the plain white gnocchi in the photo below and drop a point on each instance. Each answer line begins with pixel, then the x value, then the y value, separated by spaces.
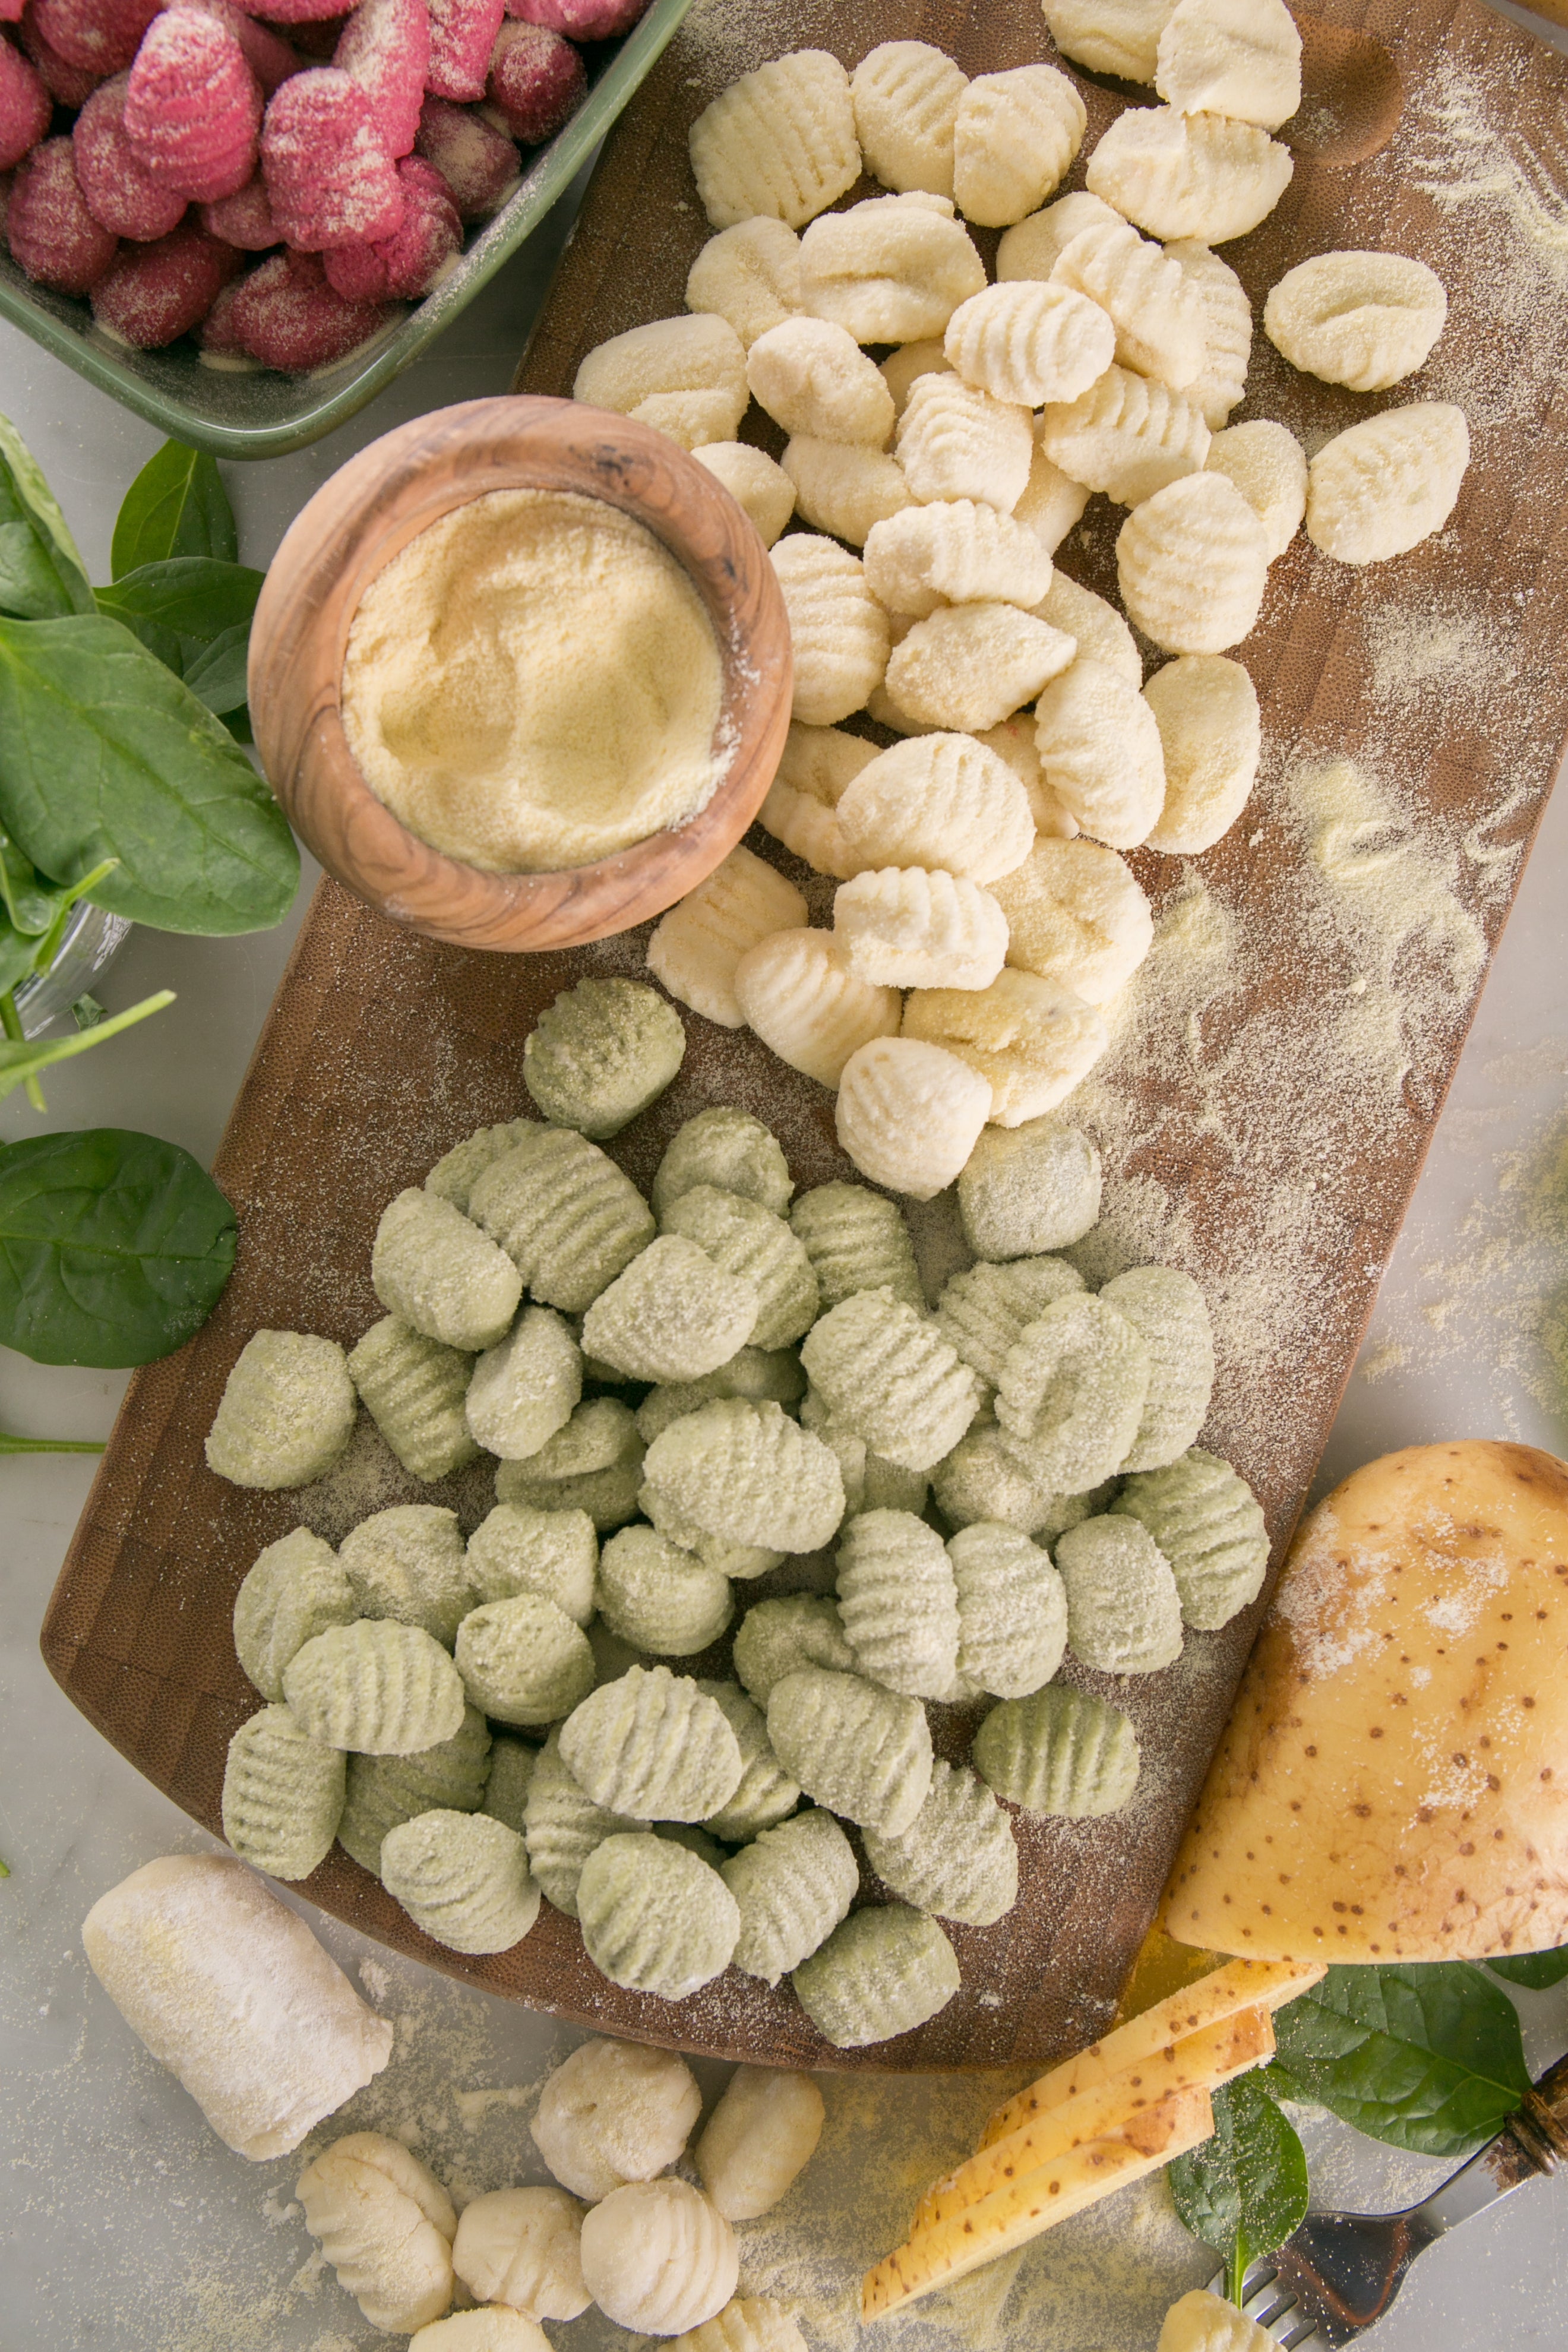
pixel 1207 710
pixel 1365 320
pixel 1189 175
pixel 1192 563
pixel 522 2247
pixel 906 96
pixel 696 946
pixel 660 2257
pixel 748 275
pixel 1236 57
pixel 1154 310
pixel 1221 380
pixel 813 377
pixel 940 800
pixel 385 2224
pixel 815 768
pixel 1268 467
pixel 909 1114
pixel 1113 37
pixel 1382 486
pixel 955 441
pixel 614 2112
pixel 1015 137
pixel 1077 914
pixel 1127 435
pixel 968 667
pixel 905 928
pixel 839 632
pixel 1095 627
pixel 803 1000
pixel 687 377
pixel 1028 342
pixel 844 488
pixel 1031 248
pixel 891 270
pixel 755 483
pixel 1051 502
pixel 902 367
pixel 761 2135
pixel 779 142
pixel 1100 753
pixel 954 552
pixel 1030 1039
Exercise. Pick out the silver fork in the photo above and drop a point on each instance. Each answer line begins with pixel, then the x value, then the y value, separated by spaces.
pixel 1338 2274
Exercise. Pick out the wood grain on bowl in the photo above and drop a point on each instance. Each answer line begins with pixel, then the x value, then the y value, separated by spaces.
pixel 1301 1016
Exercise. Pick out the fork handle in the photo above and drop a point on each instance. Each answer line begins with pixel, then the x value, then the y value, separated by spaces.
pixel 1539 2122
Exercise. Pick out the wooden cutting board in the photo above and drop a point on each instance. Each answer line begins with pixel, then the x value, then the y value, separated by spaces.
pixel 1280 1068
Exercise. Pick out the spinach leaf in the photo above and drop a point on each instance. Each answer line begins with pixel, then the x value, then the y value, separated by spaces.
pixel 217 674
pixel 42 575
pixel 29 901
pixel 1424 2055
pixel 1245 2190
pixel 17 953
pixel 114 1247
pixel 104 753
pixel 176 505
pixel 21 1058
pixel 1536 1970
pixel 192 596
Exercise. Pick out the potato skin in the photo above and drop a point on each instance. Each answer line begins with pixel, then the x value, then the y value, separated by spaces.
pixel 1392 1783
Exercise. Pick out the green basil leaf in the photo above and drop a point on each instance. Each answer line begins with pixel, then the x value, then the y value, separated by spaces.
pixel 41 573
pixel 114 1247
pixel 176 505
pixel 192 596
pixel 1424 2055
pixel 103 753
pixel 1536 1970
pixel 1245 2190
pixel 217 673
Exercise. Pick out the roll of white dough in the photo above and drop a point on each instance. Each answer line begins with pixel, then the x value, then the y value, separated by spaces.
pixel 230 1990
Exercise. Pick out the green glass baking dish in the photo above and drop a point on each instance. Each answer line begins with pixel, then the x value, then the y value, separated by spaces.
pixel 266 414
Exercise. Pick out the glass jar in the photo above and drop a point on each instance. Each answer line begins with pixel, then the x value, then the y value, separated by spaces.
pixel 92 940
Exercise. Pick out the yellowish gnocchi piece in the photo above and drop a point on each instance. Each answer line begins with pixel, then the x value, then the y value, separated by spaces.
pixel 779 142
pixel 1051 502
pixel 656 2258
pixel 1221 380
pixel 1192 563
pixel 1015 137
pixel 1113 37
pixel 904 928
pixel 939 801
pixel 1189 175
pixel 1031 1039
pixel 968 666
pixel 750 2323
pixel 812 377
pixel 799 994
pixel 762 489
pixel 520 2248
pixel 386 2226
pixel 909 1113
pixel 1382 486
pixel 685 376
pixel 839 632
pixel 749 276
pixel 1268 467
pixel 1014 741
pixel 1236 57
pixel 1100 753
pixel 906 98
pixel 901 368
pixel 1127 435
pixel 815 768
pixel 696 946
pixel 844 488
pixel 957 442
pixel 1365 320
pixel 1077 915
pixel 1207 2323
pixel 760 2138
pixel 890 270
pixel 1207 710
pixel 1155 311
pixel 1028 344
pixel 1096 628
pixel 1031 248
pixel 954 552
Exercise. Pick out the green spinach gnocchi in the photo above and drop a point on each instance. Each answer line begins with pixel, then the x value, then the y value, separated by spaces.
pixel 882 1972
pixel 656 1917
pixel 601 1054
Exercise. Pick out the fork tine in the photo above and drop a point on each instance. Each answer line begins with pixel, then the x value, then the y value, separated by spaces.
pixel 1269 2308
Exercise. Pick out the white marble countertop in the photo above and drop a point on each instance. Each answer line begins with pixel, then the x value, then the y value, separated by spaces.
pixel 127 2225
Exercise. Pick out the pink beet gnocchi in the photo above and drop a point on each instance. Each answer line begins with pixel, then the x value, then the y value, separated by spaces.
pixel 24 106
pixel 536 81
pixel 193 107
pixel 412 261
pixel 151 294
pixel 330 179
pixel 385 47
pixel 119 191
pixel 51 233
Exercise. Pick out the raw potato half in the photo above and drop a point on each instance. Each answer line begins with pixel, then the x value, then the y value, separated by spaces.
pixel 1391 1785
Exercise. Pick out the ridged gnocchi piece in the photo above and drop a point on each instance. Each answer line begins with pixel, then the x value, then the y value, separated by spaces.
pixel 1077 915
pixel 749 276
pixel 524 1660
pixel 414 1389
pixel 954 552
pixel 1205 707
pixel 762 489
pixel 658 2258
pixel 815 768
pixel 812 377
pixel 778 1637
pixel 1052 502
pixel 1113 37
pixel 493 2328
pixel 862 1751
pixel 717 1552
pixel 375 1686
pixel 510 1778
pixel 521 2248
pixel 456 1172
pixel 955 441
pixel 410 1563
pixel 286 1414
pixel 1192 563
pixel 686 377
pixel 1382 486
pixel 983 1311
pixel 898 1603
pixel 909 1114
pixel 794 1883
pixel 857 1241
pixel 1154 309
pixel 939 801
pixel 1013 140
pixel 905 928
pixel 293 1591
pixel 526 1389
pixel 1014 741
pixel 1100 753
pixel 383 1791
pixel 1127 435
pixel 902 368
pixel 1236 57
pixel 968 666
pixel 1012 1613
pixel 1059 1752
pixel 728 1147
pixel 1072 1393
pixel 983 1480
pixel 600 1053
pixel 1028 342
pixel 891 1377
pixel 282 1795
pixel 759 2140
pixel 780 141
pixel 651 1746
pixel 1031 248
pixel 1365 320
pixel 906 97
pixel 1167 1308
pixel 614 2112
pixel 766 1795
pixel 565 1214
pixel 892 270
pixel 804 1002
pixel 593 1464
pixel 1268 467
pixel 695 948
pixel 1033 1189
pixel 386 2226
pixel 958 1858
pixel 1221 380
pixel 745 1240
pixel 886 1971
pixel 673 1315
pixel 463 1878
pixel 748 1473
pixel 839 632
pixel 1203 2323
pixel 655 1917
pixel 847 490
pixel 1124 1613
pixel 871 1483
pixel 440 1275
pixel 761 1374
pixel 1031 1039
pixel 1095 627
pixel 1189 175
pixel 562 1825
pixel 1208 1524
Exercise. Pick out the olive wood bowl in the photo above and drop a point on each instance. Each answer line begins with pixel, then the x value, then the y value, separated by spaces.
pixel 361 518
